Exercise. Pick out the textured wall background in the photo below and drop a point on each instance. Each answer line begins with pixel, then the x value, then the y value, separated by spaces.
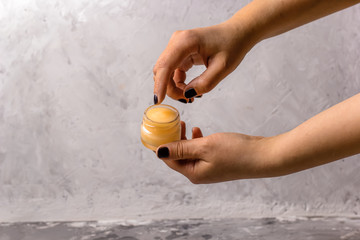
pixel 76 76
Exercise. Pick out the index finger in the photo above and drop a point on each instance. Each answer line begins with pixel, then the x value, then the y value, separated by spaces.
pixel 181 45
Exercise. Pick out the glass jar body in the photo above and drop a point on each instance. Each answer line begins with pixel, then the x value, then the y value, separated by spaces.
pixel 160 125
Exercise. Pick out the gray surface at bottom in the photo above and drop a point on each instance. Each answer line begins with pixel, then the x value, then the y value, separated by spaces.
pixel 244 229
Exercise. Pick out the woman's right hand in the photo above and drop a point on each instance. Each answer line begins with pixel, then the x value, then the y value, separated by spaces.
pixel 220 48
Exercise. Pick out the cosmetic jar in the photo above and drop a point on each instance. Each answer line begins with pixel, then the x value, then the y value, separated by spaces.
pixel 160 125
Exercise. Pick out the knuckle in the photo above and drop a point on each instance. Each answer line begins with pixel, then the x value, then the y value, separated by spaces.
pixel 182 34
pixel 223 62
pixel 161 63
pixel 204 146
pixel 185 36
pixel 180 150
pixel 157 84
pixel 176 34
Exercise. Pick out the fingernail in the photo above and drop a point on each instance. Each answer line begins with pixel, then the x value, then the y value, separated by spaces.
pixel 182 100
pixel 190 93
pixel 163 152
pixel 155 99
pixel 199 96
pixel 190 101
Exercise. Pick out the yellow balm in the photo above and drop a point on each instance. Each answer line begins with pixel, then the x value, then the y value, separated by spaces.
pixel 161 114
pixel 160 125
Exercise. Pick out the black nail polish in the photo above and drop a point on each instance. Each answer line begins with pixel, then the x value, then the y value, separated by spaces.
pixel 163 152
pixel 190 93
pixel 155 99
pixel 199 96
pixel 190 101
pixel 182 100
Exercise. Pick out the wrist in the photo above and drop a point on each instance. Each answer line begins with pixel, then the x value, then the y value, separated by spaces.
pixel 273 154
pixel 251 21
pixel 243 31
pixel 288 154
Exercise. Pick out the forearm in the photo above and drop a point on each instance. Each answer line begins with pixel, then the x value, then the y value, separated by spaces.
pixel 266 18
pixel 329 136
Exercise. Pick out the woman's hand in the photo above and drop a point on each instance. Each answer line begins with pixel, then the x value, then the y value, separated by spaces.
pixel 220 48
pixel 219 157
pixel 331 135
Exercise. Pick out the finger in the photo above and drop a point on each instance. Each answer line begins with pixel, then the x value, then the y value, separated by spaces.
pixel 181 45
pixel 196 132
pixel 187 63
pixel 204 83
pixel 180 150
pixel 183 130
pixel 179 78
pixel 176 86
pixel 175 92
pixel 161 79
pixel 190 61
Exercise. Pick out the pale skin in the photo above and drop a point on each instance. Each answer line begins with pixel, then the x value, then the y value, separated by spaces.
pixel 331 135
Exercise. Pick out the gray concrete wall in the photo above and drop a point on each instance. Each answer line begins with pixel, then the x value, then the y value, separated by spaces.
pixel 76 76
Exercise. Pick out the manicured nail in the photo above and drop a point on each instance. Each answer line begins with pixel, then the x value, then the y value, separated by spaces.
pixel 163 152
pixel 190 101
pixel 199 96
pixel 190 93
pixel 182 100
pixel 155 99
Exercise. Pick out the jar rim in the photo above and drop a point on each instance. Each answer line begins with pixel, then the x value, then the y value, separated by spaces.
pixel 163 106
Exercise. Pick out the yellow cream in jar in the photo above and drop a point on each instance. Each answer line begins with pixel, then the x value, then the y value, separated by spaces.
pixel 161 124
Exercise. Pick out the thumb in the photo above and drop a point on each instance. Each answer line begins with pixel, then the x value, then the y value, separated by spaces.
pixel 215 72
pixel 179 150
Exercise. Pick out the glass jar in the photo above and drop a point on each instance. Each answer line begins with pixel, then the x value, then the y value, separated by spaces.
pixel 160 125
